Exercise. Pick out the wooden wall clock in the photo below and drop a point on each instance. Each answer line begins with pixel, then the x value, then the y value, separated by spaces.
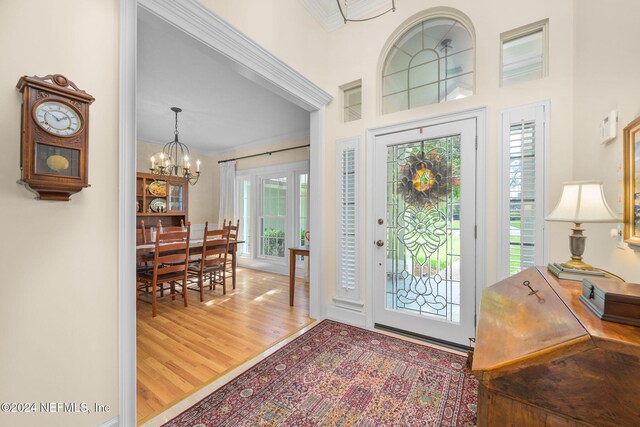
pixel 55 136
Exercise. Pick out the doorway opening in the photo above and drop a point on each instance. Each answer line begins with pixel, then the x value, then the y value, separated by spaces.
pixel 237 50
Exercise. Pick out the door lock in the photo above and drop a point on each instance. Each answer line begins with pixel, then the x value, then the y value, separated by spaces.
pixel 379 243
pixel 380 221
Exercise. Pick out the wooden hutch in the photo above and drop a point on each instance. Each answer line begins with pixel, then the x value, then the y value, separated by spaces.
pixel 545 359
pixel 164 199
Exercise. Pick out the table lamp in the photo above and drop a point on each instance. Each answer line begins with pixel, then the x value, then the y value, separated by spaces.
pixel 581 202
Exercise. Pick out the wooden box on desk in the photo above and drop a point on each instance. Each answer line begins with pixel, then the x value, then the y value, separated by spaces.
pixel 545 359
pixel 612 300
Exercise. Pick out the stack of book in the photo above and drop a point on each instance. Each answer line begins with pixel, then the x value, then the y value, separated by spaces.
pixel 574 274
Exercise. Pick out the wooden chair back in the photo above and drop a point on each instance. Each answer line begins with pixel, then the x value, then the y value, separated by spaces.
pixel 141 234
pixel 234 230
pixel 171 256
pixel 171 227
pixel 215 247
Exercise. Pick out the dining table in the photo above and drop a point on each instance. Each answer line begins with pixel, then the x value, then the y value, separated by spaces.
pixel 293 252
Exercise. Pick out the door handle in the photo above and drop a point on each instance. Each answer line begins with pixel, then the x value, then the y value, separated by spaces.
pixel 379 243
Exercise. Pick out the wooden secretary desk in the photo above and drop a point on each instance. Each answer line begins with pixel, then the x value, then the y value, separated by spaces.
pixel 544 359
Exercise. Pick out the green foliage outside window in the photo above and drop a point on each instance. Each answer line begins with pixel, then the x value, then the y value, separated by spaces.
pixel 273 242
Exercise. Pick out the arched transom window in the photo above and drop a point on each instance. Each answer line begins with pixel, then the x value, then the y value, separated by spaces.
pixel 431 62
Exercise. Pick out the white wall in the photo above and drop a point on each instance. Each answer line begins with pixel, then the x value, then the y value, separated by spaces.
pixel 355 52
pixel 605 79
pixel 283 27
pixel 593 33
pixel 59 305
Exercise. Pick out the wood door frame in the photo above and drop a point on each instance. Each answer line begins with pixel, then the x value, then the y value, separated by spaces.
pixel 258 65
pixel 481 241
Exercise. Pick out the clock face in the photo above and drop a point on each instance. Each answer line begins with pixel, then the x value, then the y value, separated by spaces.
pixel 57 118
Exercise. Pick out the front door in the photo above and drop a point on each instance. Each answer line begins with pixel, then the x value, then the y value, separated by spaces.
pixel 425 202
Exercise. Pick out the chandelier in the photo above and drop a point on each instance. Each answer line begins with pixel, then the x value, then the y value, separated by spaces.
pixel 344 11
pixel 174 160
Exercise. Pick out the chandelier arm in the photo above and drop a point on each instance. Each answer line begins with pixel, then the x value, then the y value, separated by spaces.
pixel 341 11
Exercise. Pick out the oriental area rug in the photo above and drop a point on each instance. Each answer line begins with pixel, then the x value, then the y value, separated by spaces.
pixel 339 375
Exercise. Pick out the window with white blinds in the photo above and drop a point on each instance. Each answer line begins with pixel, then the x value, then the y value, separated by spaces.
pixel 348 212
pixel 523 189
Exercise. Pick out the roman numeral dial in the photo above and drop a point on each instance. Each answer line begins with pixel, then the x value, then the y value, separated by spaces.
pixel 57 118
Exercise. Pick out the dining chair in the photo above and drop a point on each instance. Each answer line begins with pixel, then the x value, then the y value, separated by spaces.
pixel 143 262
pixel 170 265
pixel 141 234
pixel 171 227
pixel 234 231
pixel 212 261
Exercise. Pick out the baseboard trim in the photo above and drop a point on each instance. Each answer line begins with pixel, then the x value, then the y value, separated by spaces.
pixel 437 341
pixel 114 422
pixel 348 304
pixel 347 316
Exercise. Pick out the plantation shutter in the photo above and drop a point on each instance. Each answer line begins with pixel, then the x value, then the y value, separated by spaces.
pixel 347 291
pixel 522 196
pixel 347 219
pixel 523 189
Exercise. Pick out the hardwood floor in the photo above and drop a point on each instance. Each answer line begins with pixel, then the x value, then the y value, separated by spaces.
pixel 183 349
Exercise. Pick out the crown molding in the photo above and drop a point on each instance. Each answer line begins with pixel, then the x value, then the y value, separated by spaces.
pixel 249 58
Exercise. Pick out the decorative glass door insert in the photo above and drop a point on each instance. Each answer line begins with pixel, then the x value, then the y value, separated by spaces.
pixel 424 197
pixel 423 228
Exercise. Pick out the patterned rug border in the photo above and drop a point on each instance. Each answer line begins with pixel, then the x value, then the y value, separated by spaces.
pixel 250 367
pixel 321 323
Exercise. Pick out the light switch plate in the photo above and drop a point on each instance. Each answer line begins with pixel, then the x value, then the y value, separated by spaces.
pixel 609 127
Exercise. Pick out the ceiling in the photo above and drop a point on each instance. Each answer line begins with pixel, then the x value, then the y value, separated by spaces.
pixel 326 12
pixel 221 110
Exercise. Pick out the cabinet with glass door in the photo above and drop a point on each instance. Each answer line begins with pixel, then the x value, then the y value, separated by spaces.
pixel 164 199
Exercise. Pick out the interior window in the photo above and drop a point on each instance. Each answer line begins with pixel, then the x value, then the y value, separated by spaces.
pixel 303 209
pixel 524 54
pixel 244 213
pixel 352 101
pixel 273 216
pixel 431 62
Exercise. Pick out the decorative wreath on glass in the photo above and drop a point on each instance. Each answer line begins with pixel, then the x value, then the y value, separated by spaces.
pixel 424 178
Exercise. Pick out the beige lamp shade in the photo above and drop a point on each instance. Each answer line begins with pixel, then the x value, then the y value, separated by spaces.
pixel 583 202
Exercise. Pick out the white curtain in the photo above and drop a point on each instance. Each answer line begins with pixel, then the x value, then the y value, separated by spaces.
pixel 227 192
